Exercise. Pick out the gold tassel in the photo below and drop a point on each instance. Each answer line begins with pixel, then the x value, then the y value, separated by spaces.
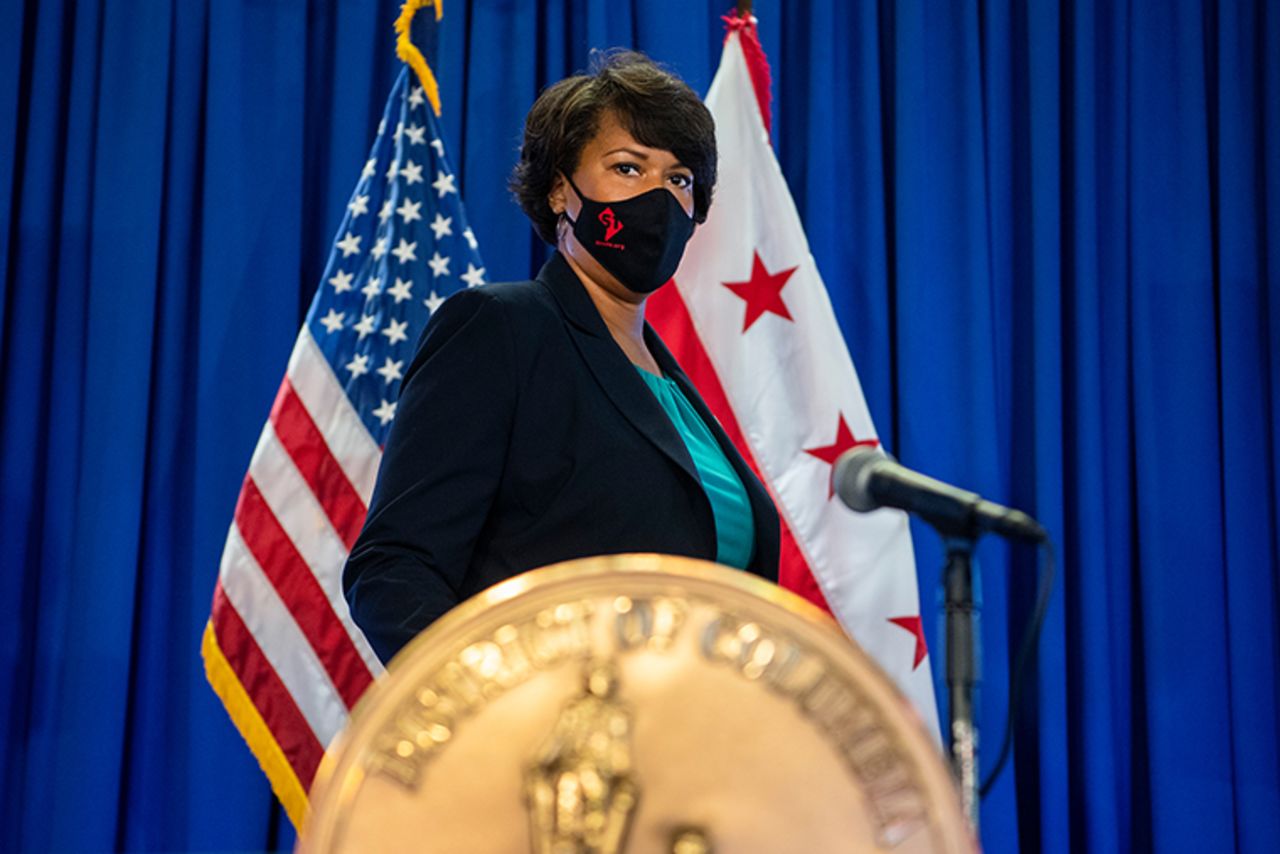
pixel 409 53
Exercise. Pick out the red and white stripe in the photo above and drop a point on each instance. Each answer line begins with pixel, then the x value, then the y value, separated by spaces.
pixel 783 384
pixel 279 616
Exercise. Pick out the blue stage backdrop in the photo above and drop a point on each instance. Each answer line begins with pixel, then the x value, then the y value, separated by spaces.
pixel 1052 237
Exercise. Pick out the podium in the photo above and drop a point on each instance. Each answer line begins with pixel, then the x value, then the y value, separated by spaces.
pixel 634 703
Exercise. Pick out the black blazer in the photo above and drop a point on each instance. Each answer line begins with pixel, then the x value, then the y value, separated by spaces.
pixel 523 437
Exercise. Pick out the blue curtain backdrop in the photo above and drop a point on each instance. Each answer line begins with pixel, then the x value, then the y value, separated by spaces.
pixel 1051 233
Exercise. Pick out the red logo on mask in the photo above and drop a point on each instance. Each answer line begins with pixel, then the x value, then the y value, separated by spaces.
pixel 611 225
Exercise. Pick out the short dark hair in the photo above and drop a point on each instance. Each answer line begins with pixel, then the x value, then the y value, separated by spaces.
pixel 652 104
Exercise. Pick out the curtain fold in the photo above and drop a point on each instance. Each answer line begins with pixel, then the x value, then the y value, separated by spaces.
pixel 1050 233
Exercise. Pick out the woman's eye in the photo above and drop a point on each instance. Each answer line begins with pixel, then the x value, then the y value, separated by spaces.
pixel 627 169
pixel 682 181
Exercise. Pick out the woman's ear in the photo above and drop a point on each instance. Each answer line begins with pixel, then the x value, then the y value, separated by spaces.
pixel 556 198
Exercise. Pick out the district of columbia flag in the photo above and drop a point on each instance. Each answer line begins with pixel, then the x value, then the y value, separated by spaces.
pixel 280 649
pixel 748 317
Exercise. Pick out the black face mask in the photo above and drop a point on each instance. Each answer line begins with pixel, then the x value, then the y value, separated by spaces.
pixel 639 240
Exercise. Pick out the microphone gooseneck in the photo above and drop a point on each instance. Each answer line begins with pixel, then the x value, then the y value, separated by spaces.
pixel 867 479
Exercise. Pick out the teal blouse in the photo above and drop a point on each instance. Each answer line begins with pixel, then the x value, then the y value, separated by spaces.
pixel 735 525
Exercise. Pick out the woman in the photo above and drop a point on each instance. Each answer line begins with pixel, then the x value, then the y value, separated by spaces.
pixel 543 421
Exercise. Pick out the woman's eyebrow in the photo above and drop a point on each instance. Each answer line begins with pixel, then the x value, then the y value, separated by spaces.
pixel 643 155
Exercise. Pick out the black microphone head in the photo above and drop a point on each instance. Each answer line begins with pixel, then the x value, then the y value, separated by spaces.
pixel 852 477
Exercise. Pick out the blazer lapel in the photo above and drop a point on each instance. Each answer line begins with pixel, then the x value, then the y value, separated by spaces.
pixel 612 369
pixel 768 533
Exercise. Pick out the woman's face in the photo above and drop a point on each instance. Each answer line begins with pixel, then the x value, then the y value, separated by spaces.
pixel 613 167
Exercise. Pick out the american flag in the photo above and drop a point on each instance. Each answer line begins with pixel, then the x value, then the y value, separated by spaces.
pixel 280 648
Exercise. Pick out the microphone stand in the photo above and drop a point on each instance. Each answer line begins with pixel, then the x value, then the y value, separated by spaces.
pixel 867 480
pixel 962 670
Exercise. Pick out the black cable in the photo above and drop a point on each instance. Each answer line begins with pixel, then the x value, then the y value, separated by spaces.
pixel 1030 644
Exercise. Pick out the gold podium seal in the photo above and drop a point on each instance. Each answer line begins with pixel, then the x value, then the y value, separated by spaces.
pixel 637 703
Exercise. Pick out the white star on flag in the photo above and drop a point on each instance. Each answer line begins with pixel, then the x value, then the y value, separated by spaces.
pixel 379 248
pixel 438 145
pixel 439 265
pixel 333 320
pixel 432 302
pixel 385 412
pixel 370 168
pixel 366 325
pixel 474 276
pixel 385 211
pixel 405 251
pixel 395 331
pixel 442 226
pixel 393 169
pixel 358 205
pixel 409 211
pixel 412 173
pixel 444 184
pixel 417 97
pixel 417 134
pixel 471 238
pixel 341 281
pixel 390 371
pixel 358 366
pixel 372 288
pixel 401 289
pixel 350 245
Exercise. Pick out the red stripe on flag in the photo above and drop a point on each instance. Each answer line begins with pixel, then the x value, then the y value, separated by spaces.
pixel 270 697
pixel 310 453
pixel 667 313
pixel 301 593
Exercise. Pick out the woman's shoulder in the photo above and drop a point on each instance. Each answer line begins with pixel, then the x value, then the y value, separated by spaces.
pixel 522 313
pixel 526 300
pixel 502 322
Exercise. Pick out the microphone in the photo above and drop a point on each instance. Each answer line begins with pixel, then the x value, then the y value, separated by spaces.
pixel 867 480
